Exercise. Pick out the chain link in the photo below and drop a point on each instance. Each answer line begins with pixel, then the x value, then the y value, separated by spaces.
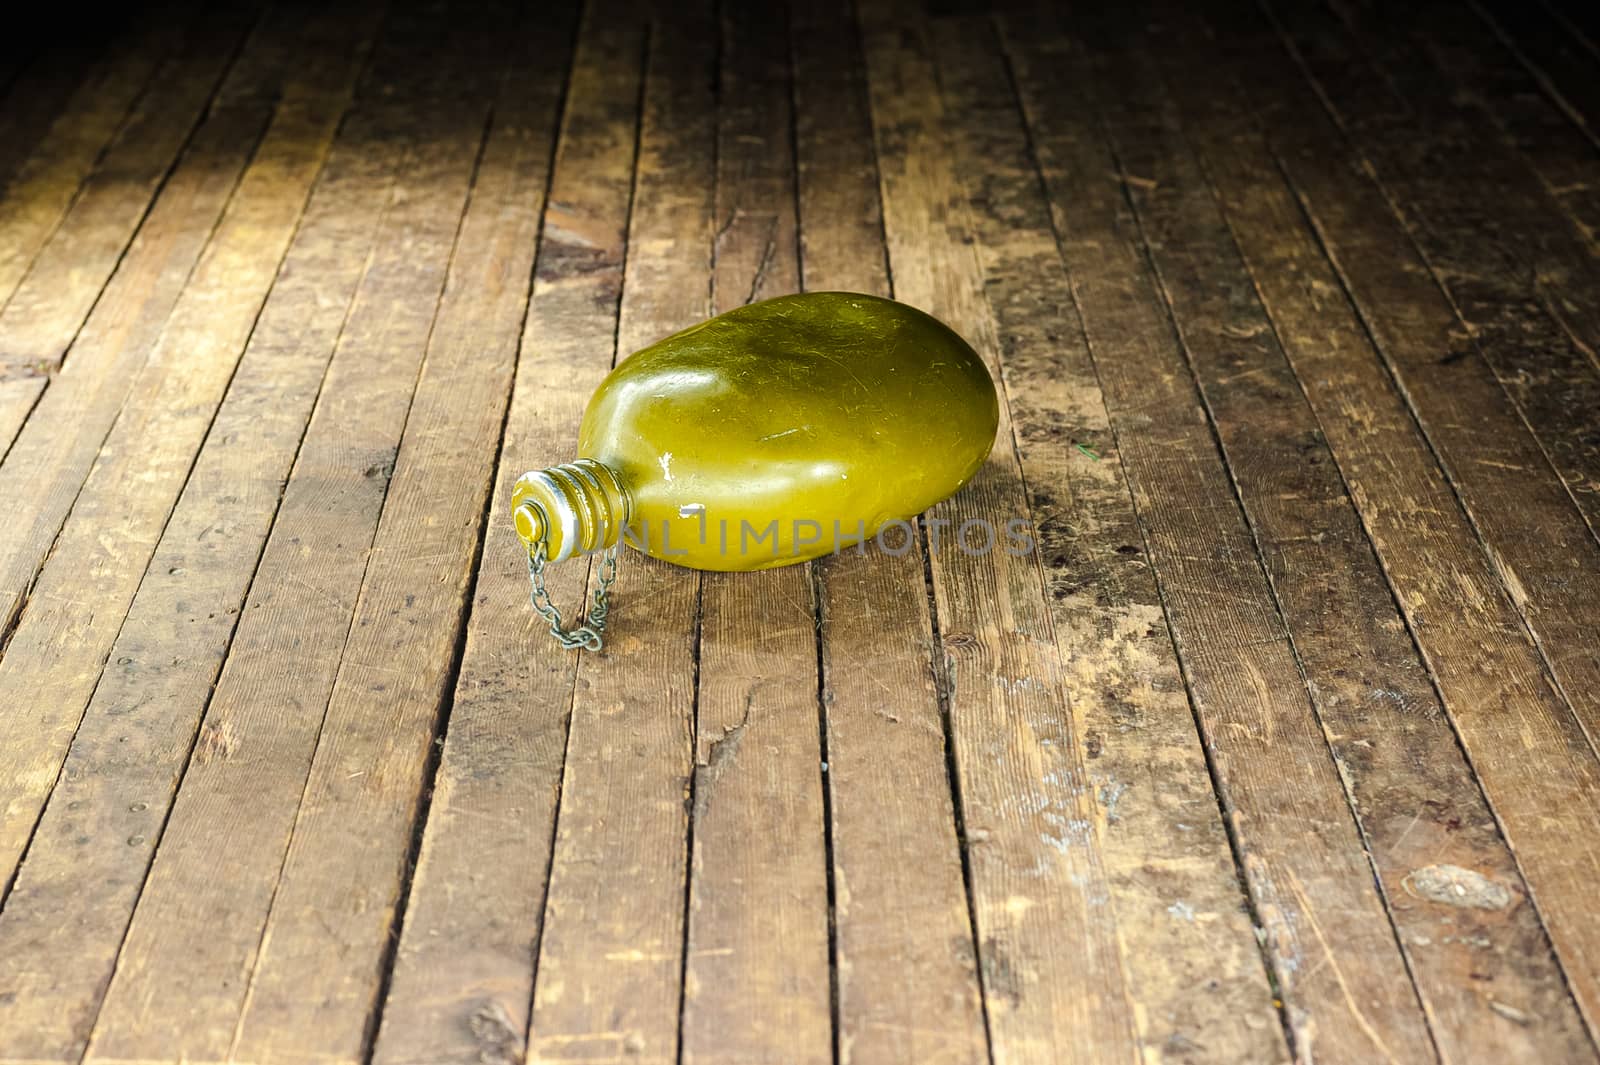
pixel 590 636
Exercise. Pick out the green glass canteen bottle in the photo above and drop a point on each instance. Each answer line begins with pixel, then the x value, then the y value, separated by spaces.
pixel 772 434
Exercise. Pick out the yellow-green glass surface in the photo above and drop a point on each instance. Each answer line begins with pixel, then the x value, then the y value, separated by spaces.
pixel 782 430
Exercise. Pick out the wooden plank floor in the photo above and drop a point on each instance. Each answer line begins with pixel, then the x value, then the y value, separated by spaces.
pixel 1283 744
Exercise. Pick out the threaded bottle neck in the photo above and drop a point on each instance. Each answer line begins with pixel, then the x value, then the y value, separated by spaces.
pixel 576 508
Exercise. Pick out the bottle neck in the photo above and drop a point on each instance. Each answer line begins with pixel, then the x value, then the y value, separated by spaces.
pixel 575 508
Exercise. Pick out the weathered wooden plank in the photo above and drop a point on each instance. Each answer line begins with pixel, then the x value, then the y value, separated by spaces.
pixel 756 983
pixel 352 838
pixel 463 976
pixel 1456 170
pixel 37 188
pixel 900 902
pixel 1519 277
pixel 1053 982
pixel 95 564
pixel 841 231
pixel 611 953
pixel 43 187
pixel 1195 973
pixel 1480 960
pixel 1483 71
pixel 181 979
pixel 45 79
pixel 1562 58
pixel 18 397
pixel 58 942
pixel 71 268
pixel 1523 743
pixel 1344 984
pixel 1577 18
pixel 1536 538
pixel 52 283
pixel 47 463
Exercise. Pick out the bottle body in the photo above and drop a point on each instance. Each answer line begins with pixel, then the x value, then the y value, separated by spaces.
pixel 772 434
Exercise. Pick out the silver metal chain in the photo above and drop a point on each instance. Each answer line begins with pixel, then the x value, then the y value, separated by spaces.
pixel 590 636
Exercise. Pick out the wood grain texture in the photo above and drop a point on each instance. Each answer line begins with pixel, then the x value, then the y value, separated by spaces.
pixel 1196 978
pixel 44 185
pixel 900 901
pixel 56 653
pixel 68 265
pixel 1281 743
pixel 1346 992
pixel 756 968
pixel 1480 70
pixel 57 942
pixel 1546 554
pixel 1520 278
pixel 359 814
pixel 71 268
pixel 250 763
pixel 463 972
pixel 1054 986
pixel 1535 536
pixel 1524 744
pixel 44 80
pixel 1477 967
pixel 50 457
pixel 1561 55
pixel 48 314
pixel 610 967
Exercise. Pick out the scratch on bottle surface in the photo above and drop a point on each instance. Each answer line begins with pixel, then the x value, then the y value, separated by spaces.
pixel 666 464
